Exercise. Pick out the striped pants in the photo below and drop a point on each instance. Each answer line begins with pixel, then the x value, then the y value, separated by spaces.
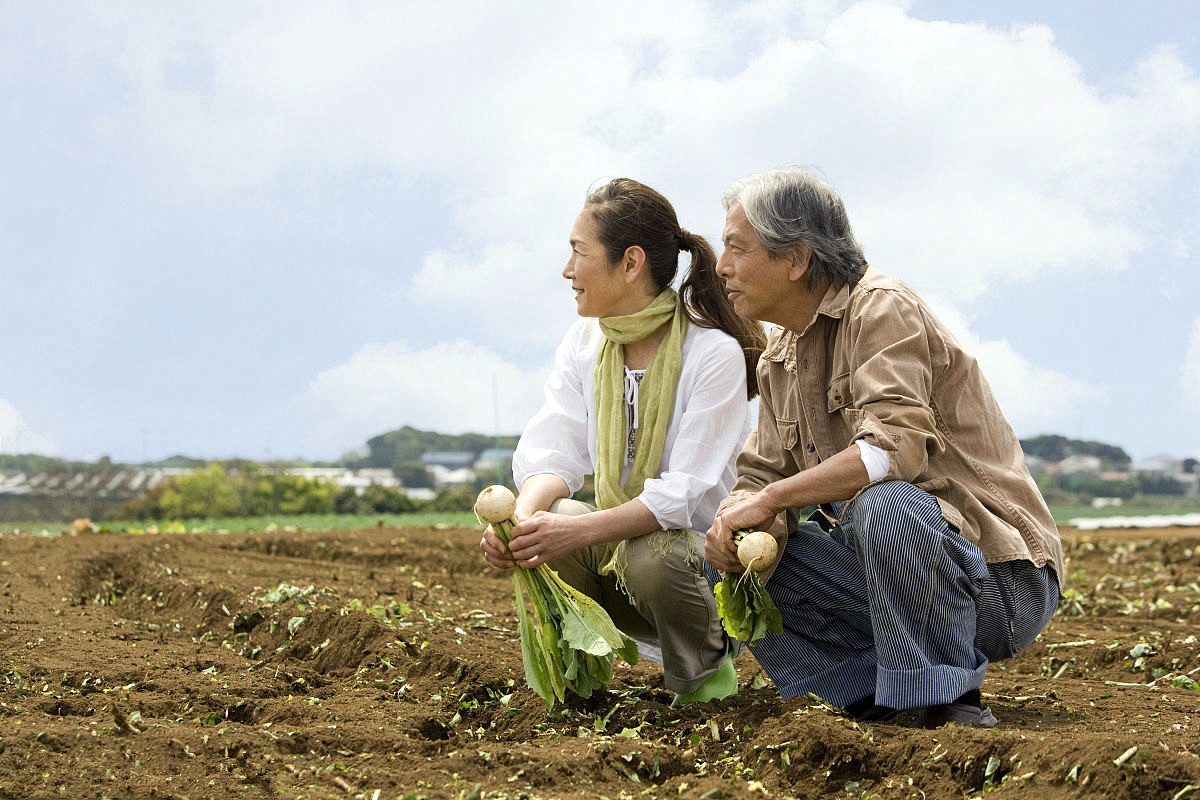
pixel 894 602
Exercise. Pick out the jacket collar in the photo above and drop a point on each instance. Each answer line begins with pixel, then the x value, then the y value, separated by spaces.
pixel 833 305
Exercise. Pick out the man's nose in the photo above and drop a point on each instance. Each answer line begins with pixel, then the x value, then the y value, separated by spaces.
pixel 723 265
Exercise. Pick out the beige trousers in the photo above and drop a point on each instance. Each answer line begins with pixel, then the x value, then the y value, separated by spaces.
pixel 672 603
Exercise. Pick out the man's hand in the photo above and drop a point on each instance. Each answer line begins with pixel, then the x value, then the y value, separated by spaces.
pixel 719 547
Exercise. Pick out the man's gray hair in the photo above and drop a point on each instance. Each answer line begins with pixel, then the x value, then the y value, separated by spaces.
pixel 787 207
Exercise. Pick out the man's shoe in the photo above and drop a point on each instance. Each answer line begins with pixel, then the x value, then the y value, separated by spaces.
pixel 961 714
pixel 873 713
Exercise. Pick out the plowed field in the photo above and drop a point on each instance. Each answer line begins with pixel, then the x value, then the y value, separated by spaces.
pixel 384 663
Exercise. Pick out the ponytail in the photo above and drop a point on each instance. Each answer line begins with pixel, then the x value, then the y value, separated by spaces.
pixel 708 306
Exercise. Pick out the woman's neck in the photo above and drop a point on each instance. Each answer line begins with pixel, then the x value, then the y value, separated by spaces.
pixel 638 355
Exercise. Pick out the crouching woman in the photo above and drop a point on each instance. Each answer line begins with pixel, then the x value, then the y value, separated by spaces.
pixel 649 394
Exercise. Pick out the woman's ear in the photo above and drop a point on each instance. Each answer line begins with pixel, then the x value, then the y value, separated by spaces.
pixel 633 263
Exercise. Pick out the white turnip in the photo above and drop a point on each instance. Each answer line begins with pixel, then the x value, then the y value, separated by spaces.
pixel 495 504
pixel 756 550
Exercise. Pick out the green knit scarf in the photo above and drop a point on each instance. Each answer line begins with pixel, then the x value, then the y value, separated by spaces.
pixel 656 399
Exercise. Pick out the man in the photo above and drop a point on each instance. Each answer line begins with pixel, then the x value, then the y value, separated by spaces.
pixel 932 551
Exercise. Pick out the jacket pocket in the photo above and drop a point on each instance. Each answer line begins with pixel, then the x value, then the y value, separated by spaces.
pixel 838 395
pixel 789 433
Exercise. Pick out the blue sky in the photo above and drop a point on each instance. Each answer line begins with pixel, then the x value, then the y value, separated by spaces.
pixel 276 230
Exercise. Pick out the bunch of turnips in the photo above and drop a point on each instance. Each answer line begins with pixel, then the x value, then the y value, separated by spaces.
pixel 747 610
pixel 567 640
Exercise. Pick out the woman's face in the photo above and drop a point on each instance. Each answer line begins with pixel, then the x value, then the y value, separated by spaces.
pixel 601 288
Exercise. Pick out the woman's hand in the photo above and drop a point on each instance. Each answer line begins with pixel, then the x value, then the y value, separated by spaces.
pixel 494 550
pixel 545 536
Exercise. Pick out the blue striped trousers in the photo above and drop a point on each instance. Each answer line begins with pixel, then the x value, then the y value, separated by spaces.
pixel 894 602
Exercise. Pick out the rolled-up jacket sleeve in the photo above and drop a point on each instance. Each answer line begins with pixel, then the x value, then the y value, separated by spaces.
pixel 555 440
pixel 710 430
pixel 764 458
pixel 892 382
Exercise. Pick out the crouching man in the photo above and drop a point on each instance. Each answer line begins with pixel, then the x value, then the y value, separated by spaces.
pixel 932 552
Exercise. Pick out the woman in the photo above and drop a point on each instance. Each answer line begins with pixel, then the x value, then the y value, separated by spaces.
pixel 650 395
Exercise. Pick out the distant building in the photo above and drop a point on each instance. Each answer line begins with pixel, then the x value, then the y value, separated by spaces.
pixel 492 458
pixel 1159 466
pixel 355 479
pixel 1169 468
pixel 1075 464
pixel 444 477
pixel 127 484
pixel 449 459
pixel 124 484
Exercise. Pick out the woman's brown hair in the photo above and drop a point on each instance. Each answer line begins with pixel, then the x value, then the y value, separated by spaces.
pixel 627 214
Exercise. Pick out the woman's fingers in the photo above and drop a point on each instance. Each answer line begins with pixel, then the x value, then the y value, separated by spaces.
pixel 494 551
pixel 525 547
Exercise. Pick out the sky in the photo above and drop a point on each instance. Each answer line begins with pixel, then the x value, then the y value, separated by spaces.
pixel 274 230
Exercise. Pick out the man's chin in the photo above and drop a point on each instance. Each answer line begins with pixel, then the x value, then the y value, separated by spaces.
pixel 743 310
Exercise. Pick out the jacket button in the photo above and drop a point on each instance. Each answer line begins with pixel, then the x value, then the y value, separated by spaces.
pixel 811 447
pixel 804 364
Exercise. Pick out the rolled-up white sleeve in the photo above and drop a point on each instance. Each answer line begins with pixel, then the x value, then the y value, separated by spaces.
pixel 555 440
pixel 712 419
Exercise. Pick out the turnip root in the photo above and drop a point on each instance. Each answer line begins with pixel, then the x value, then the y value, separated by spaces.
pixel 747 611
pixel 495 504
pixel 756 550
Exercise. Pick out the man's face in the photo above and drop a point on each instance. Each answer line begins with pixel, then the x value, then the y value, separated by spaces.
pixel 758 283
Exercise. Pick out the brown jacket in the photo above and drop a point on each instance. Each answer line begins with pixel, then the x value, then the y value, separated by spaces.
pixel 876 364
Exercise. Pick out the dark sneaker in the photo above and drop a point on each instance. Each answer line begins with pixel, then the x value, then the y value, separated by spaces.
pixel 875 714
pixel 961 714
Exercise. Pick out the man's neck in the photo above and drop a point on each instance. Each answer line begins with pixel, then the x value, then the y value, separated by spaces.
pixel 801 311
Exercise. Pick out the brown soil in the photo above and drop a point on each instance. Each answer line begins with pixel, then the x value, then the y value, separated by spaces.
pixel 151 666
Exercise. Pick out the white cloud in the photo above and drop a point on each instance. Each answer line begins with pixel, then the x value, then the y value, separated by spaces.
pixel 516 295
pixel 967 154
pixel 16 437
pixel 1034 399
pixel 1190 374
pixel 453 387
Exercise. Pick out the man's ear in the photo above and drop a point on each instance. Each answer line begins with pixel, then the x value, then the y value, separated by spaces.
pixel 633 263
pixel 801 259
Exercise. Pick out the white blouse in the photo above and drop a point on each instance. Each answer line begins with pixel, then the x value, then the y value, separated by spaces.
pixel 709 424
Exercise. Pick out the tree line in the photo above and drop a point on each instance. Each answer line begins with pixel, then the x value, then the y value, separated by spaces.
pixel 215 491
